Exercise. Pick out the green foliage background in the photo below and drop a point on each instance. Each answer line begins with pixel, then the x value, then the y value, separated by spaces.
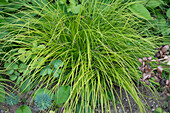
pixel 99 45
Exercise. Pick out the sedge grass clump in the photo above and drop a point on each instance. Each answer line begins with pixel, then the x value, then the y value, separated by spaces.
pixel 99 47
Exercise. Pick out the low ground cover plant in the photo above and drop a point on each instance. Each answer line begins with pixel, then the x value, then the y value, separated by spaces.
pixel 73 53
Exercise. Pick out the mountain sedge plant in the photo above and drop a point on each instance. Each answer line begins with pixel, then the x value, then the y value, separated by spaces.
pixel 98 41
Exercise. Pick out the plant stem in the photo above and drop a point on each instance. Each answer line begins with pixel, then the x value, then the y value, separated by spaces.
pixel 147 2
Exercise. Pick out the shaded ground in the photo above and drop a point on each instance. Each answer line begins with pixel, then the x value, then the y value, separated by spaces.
pixel 152 104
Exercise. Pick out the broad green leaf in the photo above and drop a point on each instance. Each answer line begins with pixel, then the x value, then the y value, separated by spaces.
pixel 23 109
pixel 36 61
pixel 58 63
pixel 59 71
pixel 26 72
pixel 6 65
pixel 22 67
pixel 16 73
pixel 25 56
pixel 76 9
pixel 168 13
pixel 140 11
pixel 14 66
pixel 43 71
pixel 62 94
pixel 22 58
pixel 69 9
pixel 55 74
pixel 13 77
pixel 49 71
pixel 53 62
pixel 19 79
pixel 37 49
pixel 73 2
pixel 56 66
pixel 62 1
pixel 154 3
pixel 2 94
pixel 25 86
pixel 10 71
pixel 165 31
pixel 151 3
pixel 160 24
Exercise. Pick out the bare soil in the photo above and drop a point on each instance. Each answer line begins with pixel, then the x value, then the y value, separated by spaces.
pixel 151 103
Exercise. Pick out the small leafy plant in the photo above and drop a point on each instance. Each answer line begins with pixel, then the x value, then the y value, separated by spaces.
pixel 48 70
pixel 15 70
pixel 42 101
pixel 43 97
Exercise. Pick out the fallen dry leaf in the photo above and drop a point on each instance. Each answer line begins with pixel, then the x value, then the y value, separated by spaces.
pixel 167 59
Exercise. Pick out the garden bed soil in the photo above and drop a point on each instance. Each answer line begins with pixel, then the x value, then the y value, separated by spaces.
pixel 151 102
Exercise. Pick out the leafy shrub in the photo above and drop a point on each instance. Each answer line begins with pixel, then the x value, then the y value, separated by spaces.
pixel 12 99
pixel 42 101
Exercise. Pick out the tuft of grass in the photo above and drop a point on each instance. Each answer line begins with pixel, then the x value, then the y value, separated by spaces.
pixel 99 46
